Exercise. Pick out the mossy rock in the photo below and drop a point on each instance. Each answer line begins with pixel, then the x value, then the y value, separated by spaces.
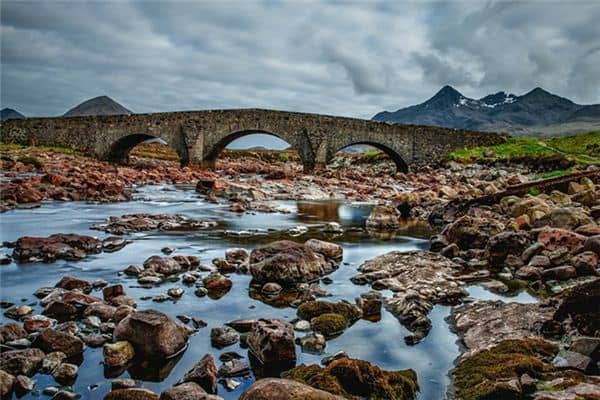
pixel 329 324
pixel 353 378
pixel 475 378
pixel 312 309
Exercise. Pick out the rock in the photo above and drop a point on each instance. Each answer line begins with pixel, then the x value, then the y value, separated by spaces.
pixel 217 285
pixel 271 341
pixel 52 340
pixel 329 324
pixel 122 311
pixel 554 238
pixel 333 227
pixel 271 289
pixel 592 244
pixel 175 292
pixel 349 377
pixel 131 394
pixel 24 384
pixel 561 273
pixel 71 283
pixel 187 391
pixel 331 251
pixel 52 360
pixel 234 367
pixel 21 362
pixel 242 325
pixel 588 346
pixel 302 326
pixel 540 261
pixel 113 291
pixel 314 343
pixel 579 305
pixel 148 222
pixel 10 332
pixel 288 263
pixel 529 272
pixel 483 323
pixel 370 303
pixel 57 246
pixel 238 257
pixel 132 270
pixel 336 356
pixel 204 373
pixel 103 311
pixel 503 244
pixel 7 382
pixel 285 389
pixel 118 354
pixel 122 384
pixel 383 218
pixel 566 359
pixel 37 323
pixel 471 232
pixel 65 373
pixel 162 265
pixel 312 309
pixel 223 336
pixel 152 334
pixel 419 279
pixel 18 312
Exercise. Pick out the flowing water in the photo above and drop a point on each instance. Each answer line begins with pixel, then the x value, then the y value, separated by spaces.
pixel 379 342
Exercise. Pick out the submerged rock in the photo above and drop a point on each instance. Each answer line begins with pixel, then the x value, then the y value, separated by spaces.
pixel 21 362
pixel 272 342
pixel 204 373
pixel 383 218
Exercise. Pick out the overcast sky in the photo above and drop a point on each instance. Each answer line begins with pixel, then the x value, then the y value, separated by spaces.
pixel 341 58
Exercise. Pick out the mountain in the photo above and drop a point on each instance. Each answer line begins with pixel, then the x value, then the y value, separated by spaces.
pixel 535 113
pixel 101 105
pixel 9 113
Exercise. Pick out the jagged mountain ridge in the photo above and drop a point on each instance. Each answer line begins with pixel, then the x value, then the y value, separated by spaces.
pixel 537 112
pixel 101 105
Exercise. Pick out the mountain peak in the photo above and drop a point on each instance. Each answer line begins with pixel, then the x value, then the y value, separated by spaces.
pixel 101 105
pixel 448 91
pixel 9 113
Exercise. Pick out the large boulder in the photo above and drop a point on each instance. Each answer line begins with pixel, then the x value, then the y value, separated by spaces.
pixel 285 389
pixel 7 382
pixel 289 263
pixel 187 391
pixel 162 265
pixel 272 341
pixel 11 331
pixel 555 238
pixel 152 334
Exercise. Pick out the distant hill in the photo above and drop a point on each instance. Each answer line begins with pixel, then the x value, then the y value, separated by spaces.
pixel 536 113
pixel 9 113
pixel 101 105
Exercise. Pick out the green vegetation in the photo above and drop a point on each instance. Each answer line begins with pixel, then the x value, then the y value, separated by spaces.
pixel 581 149
pixel 13 147
pixel 554 174
pixel 475 377
pixel 283 157
pixel 371 156
pixel 329 324
pixel 30 160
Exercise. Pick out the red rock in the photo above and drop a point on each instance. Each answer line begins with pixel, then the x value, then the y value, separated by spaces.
pixel 554 238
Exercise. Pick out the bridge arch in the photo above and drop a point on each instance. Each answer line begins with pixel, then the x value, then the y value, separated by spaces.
pixel 401 165
pixel 212 153
pixel 118 151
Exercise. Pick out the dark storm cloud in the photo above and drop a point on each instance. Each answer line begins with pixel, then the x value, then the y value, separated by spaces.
pixel 345 58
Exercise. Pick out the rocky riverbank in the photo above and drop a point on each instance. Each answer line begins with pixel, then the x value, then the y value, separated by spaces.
pixel 546 242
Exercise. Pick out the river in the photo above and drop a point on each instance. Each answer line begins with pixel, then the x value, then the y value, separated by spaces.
pixel 379 342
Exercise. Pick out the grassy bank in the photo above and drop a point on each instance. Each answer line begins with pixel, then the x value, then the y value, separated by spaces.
pixel 583 149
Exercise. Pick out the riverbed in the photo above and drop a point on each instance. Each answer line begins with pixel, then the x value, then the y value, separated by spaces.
pixel 379 342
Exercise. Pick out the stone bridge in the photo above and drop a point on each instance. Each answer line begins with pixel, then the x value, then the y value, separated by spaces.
pixel 199 136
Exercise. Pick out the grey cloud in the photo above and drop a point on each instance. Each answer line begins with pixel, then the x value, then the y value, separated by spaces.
pixel 345 58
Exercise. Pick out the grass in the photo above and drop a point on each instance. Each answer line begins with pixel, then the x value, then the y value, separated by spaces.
pixel 6 147
pixel 583 149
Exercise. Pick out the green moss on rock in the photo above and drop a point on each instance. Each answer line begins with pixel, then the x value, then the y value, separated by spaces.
pixel 312 309
pixel 353 378
pixel 476 377
pixel 329 324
